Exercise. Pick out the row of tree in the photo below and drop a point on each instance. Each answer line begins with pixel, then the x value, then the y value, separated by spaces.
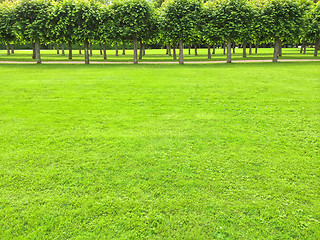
pixel 175 24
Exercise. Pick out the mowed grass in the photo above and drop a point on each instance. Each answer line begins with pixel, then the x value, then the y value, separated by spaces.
pixel 160 151
pixel 158 55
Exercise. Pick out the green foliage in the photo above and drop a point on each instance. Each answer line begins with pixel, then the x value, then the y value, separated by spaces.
pixel 313 24
pixel 86 15
pixel 31 19
pixel 62 21
pixel 105 28
pixel 186 20
pixel 180 19
pixel 132 19
pixel 233 19
pixel 209 23
pixel 256 28
pixel 283 19
pixel 7 34
pixel 157 3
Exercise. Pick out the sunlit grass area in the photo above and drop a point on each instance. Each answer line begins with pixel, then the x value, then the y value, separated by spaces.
pixel 159 151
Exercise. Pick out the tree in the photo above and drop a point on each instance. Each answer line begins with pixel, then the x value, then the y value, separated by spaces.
pixel 31 22
pixel 63 22
pixel 247 35
pixel 7 35
pixel 233 21
pixel 282 19
pixel 180 20
pixel 150 32
pixel 210 32
pixel 132 19
pixel 105 27
pixel 258 29
pixel 86 23
pixel 313 27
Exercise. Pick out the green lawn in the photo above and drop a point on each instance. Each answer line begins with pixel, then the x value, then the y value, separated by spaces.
pixel 158 55
pixel 160 151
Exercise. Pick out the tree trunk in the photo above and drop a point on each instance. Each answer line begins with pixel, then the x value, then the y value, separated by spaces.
pixel 86 52
pixel 174 52
pixel 143 49
pixel 62 50
pixel 57 47
pixel 140 52
pixel 224 48
pixel 316 47
pixel 135 51
pixel 280 48
pixel 100 47
pixel 104 51
pixel 33 50
pixel 195 50
pixel 305 49
pixel 189 50
pixel 37 47
pixel 123 48
pixel 228 51
pixel 250 49
pixel 90 49
pixel 79 49
pixel 12 48
pixel 257 45
pixel 70 50
pixel 169 49
pixel 234 48
pixel 181 61
pixel 209 52
pixel 214 49
pixel 301 48
pixel 244 49
pixel 117 50
pixel 8 49
pixel 276 49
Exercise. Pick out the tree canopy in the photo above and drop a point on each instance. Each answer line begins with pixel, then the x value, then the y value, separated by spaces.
pixel 169 22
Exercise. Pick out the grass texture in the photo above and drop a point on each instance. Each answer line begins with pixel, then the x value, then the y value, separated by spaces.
pixel 160 151
pixel 157 55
